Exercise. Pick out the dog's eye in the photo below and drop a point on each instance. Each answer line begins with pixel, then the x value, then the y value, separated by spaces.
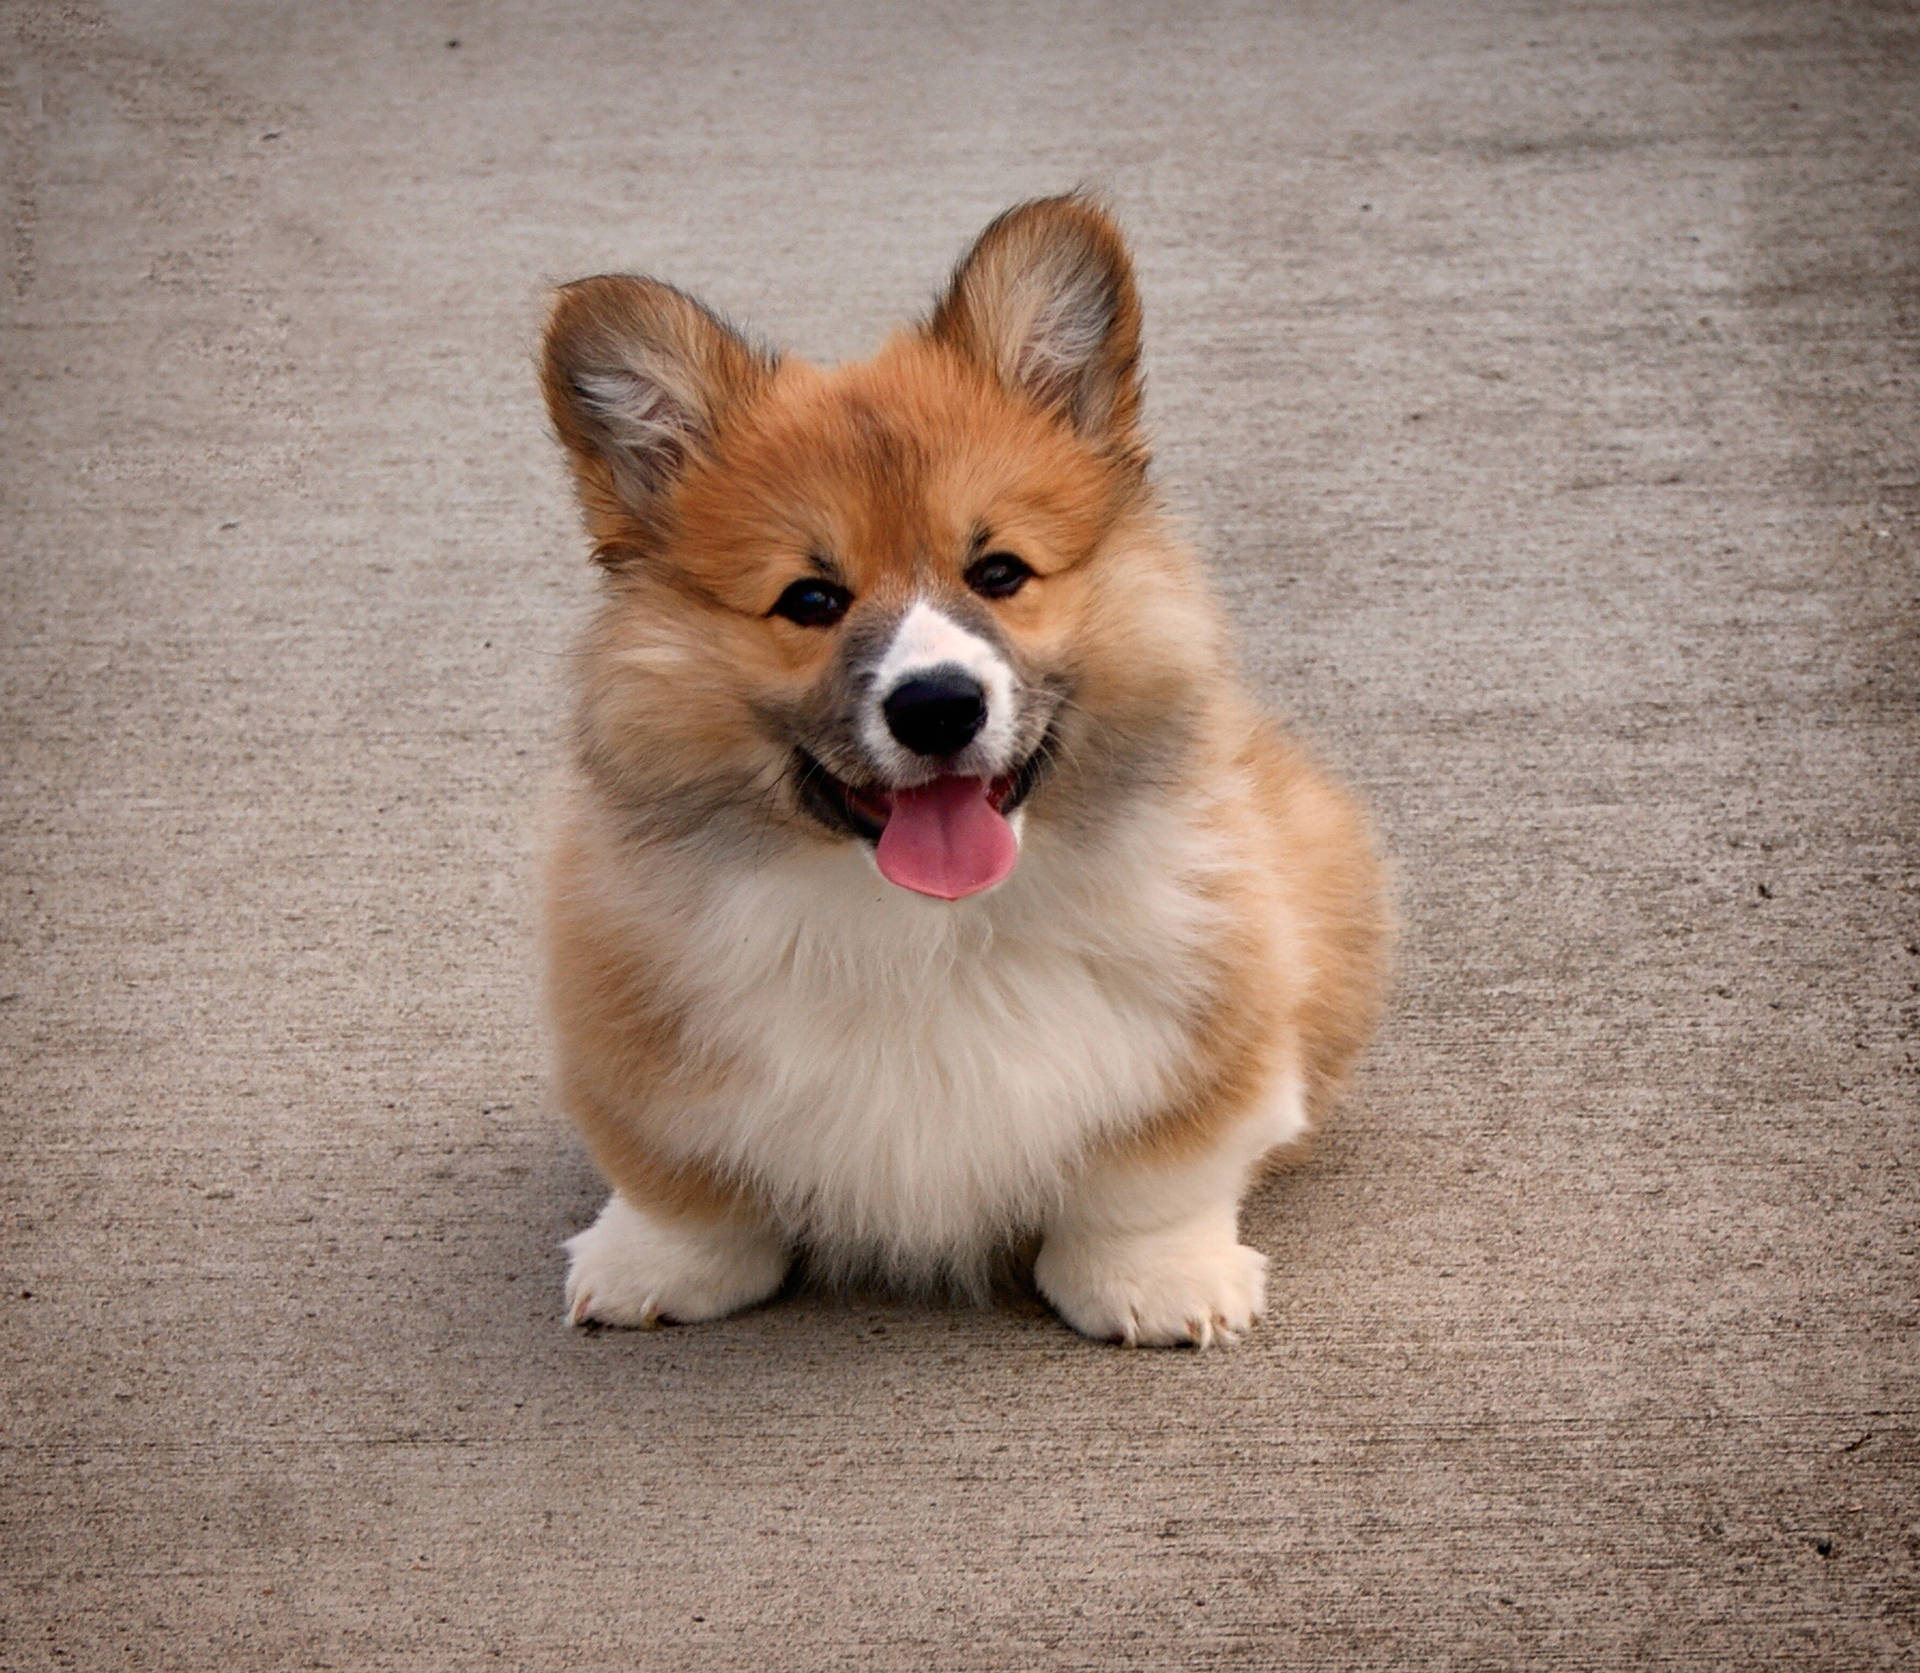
pixel 998 575
pixel 813 603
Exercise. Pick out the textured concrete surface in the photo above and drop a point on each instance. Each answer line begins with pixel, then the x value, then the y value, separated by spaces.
pixel 1543 380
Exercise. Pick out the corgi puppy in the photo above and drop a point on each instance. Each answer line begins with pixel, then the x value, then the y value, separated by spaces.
pixel 926 890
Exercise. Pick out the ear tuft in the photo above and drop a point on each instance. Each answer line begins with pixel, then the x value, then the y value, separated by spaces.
pixel 1045 300
pixel 639 378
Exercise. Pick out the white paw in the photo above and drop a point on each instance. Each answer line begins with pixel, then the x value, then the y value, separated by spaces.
pixel 638 1269
pixel 1157 1291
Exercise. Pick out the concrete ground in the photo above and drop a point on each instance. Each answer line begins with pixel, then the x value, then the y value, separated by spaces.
pixel 1542 380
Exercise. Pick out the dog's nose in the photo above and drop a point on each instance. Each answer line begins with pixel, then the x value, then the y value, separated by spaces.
pixel 938 712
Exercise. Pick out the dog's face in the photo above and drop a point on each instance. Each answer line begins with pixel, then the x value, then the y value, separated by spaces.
pixel 890 603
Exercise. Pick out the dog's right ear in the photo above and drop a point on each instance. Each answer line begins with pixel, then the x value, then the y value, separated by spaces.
pixel 639 378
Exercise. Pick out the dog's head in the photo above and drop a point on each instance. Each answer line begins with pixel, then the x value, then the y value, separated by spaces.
pixel 903 603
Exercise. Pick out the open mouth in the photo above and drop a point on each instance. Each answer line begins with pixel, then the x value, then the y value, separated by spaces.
pixel 862 810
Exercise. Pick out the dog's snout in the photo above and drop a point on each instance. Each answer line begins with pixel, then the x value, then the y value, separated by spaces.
pixel 937 712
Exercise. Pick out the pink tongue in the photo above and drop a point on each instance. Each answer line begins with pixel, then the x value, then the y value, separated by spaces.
pixel 946 839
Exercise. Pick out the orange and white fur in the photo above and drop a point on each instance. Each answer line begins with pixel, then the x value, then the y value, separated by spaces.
pixel 926 889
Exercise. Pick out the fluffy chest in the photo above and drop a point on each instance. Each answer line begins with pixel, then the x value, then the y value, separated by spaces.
pixel 916 1079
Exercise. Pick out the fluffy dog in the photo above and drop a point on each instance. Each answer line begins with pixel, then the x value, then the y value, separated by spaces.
pixel 926 889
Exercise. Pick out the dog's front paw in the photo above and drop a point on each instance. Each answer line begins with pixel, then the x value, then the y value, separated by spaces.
pixel 639 1269
pixel 1164 1290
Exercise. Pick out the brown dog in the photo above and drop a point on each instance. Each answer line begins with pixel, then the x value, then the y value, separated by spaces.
pixel 927 885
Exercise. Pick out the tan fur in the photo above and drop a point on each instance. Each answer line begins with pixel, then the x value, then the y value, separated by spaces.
pixel 1313 885
pixel 623 1050
pixel 712 475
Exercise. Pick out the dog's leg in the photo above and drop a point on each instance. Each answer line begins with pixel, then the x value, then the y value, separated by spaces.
pixel 1146 1248
pixel 644 1267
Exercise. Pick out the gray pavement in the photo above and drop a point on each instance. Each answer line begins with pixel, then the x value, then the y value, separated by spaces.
pixel 1541 379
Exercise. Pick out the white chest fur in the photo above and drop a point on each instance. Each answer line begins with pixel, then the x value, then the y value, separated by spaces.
pixel 912 1081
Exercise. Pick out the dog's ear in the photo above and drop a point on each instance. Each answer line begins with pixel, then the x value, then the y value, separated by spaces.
pixel 639 378
pixel 1045 300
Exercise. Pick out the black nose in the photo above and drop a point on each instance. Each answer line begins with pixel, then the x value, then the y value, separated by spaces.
pixel 938 712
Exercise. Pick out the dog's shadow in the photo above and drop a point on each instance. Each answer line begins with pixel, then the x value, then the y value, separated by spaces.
pixel 815 1314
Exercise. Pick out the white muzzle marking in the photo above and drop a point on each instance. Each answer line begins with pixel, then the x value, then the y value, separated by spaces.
pixel 927 639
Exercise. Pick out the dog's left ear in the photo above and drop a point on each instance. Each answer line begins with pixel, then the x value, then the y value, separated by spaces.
pixel 1045 300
